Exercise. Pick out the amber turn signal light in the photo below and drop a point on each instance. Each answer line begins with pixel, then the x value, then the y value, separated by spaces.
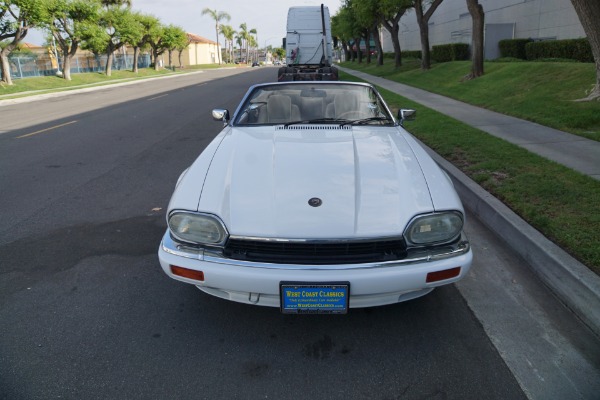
pixel 442 275
pixel 187 273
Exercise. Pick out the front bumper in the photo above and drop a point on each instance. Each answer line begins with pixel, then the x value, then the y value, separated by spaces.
pixel 372 284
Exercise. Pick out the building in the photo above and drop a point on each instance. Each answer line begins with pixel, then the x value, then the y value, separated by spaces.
pixel 504 19
pixel 199 51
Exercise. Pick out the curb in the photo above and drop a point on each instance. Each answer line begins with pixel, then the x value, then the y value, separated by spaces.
pixel 84 88
pixel 571 281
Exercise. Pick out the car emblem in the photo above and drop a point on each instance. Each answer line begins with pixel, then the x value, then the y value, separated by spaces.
pixel 315 202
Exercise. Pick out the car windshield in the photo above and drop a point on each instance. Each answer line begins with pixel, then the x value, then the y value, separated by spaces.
pixel 301 103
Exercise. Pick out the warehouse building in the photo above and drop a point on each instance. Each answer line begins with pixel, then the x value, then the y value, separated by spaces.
pixel 504 19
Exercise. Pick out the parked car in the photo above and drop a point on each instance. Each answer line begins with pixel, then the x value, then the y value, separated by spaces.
pixel 314 199
pixel 256 64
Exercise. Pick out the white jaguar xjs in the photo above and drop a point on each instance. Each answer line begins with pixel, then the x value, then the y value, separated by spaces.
pixel 314 199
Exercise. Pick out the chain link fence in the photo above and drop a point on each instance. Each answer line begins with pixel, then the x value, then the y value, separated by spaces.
pixel 31 66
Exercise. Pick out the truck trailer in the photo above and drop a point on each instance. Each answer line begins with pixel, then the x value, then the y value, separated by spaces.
pixel 309 47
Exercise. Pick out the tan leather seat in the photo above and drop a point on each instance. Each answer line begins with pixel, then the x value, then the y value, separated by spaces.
pixel 281 110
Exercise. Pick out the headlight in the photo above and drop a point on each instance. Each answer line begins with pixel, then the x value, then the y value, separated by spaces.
pixel 202 229
pixel 434 228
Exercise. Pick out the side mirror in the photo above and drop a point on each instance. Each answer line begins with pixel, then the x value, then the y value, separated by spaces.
pixel 406 115
pixel 220 114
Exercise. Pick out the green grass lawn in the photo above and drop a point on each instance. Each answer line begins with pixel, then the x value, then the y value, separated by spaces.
pixel 562 204
pixel 542 92
pixel 23 87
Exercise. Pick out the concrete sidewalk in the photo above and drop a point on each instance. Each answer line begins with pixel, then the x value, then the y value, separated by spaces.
pixel 572 151
pixel 571 281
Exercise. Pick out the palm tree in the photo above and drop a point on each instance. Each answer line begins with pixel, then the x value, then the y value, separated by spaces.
pixel 218 16
pixel 228 33
pixel 239 40
pixel 244 35
pixel 253 44
pixel 251 40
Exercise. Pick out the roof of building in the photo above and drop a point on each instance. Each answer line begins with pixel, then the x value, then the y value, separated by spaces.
pixel 30 46
pixel 199 39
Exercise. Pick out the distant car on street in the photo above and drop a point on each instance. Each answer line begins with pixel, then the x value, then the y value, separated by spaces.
pixel 314 199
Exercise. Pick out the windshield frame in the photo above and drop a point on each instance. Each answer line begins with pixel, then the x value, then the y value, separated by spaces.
pixel 257 96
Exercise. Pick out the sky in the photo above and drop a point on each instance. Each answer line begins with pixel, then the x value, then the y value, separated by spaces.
pixel 268 17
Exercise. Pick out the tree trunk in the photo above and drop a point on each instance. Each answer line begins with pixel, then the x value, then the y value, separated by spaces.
pixel 378 46
pixel 368 45
pixel 6 78
pixel 346 50
pixel 155 52
pixel 396 43
pixel 394 29
pixel 109 59
pixel 589 15
pixel 136 56
pixel 66 67
pixel 425 56
pixel 358 51
pixel 478 17
pixel 423 21
pixel 68 54
pixel 19 35
pixel 218 50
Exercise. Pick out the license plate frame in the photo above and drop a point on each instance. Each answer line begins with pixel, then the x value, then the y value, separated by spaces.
pixel 314 297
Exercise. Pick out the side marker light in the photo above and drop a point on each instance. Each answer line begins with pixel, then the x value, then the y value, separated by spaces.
pixel 442 275
pixel 187 273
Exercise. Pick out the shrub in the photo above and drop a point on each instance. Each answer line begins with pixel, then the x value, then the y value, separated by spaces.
pixel 450 52
pixel 575 49
pixel 513 48
pixel 412 54
pixel 507 59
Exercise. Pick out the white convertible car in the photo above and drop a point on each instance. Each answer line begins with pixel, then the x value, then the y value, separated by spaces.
pixel 314 199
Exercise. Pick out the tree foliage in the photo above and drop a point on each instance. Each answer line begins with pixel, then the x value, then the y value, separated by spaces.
pixel 344 27
pixel 65 19
pixel 362 18
pixel 16 18
pixel 174 38
pixel 113 28
pixel 367 19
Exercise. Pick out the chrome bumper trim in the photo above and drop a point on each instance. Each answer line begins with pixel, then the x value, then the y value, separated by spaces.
pixel 415 256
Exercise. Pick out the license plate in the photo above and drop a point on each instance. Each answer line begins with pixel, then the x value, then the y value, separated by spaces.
pixel 314 298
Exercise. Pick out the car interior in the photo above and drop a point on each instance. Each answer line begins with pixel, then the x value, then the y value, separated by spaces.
pixel 287 104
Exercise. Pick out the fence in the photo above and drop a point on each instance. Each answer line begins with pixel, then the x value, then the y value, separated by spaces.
pixel 31 66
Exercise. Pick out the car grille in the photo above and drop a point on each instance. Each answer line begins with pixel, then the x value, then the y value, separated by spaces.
pixel 283 252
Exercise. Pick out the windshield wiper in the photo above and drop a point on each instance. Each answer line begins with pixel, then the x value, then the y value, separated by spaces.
pixel 366 120
pixel 340 121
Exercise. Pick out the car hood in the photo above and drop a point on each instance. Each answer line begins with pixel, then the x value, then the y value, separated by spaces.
pixel 259 182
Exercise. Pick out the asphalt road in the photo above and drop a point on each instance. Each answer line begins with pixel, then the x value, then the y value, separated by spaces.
pixel 87 313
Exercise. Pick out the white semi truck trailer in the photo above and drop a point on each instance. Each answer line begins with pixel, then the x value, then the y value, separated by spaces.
pixel 309 47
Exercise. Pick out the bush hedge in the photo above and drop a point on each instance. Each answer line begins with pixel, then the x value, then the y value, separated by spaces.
pixel 450 52
pixel 574 49
pixel 513 48
pixel 407 54
pixel 412 54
